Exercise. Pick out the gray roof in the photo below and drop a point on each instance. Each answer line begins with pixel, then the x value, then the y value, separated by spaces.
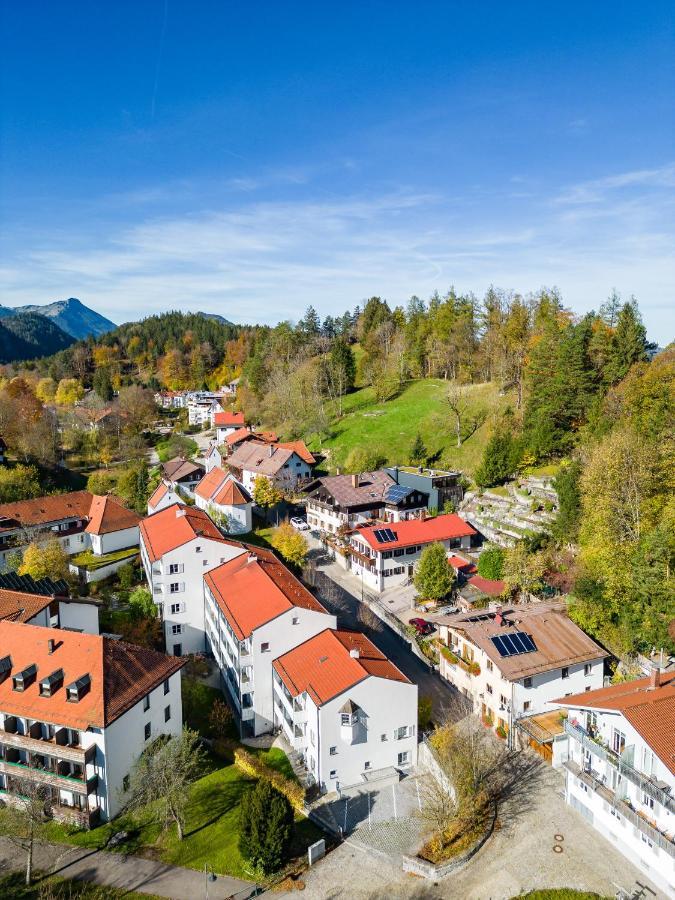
pixel 372 487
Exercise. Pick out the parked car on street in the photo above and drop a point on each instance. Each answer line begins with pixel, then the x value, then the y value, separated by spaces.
pixel 421 626
pixel 299 524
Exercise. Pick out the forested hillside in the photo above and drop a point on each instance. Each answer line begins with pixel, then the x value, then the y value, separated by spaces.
pixel 29 335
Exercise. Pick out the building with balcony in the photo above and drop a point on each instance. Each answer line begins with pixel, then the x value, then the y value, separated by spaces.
pixel 340 502
pixel 620 769
pixel 226 501
pixel 346 709
pixel 283 466
pixel 179 545
pixel 385 555
pixel 76 712
pixel 516 661
pixel 256 610
pixel 440 486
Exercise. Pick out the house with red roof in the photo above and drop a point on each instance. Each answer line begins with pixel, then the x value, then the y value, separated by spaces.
pixel 256 610
pixel 227 422
pixel 164 495
pixel 179 545
pixel 385 555
pixel 284 466
pixel 346 709
pixel 226 501
pixel 620 768
pixel 76 712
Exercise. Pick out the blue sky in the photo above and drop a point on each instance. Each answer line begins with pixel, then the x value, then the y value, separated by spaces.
pixel 252 158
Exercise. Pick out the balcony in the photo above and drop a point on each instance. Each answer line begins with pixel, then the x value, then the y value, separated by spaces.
pixel 637 778
pixel 54 747
pixel 663 841
pixel 64 812
pixel 74 783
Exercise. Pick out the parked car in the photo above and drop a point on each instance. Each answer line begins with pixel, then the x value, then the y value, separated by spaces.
pixel 421 626
pixel 300 524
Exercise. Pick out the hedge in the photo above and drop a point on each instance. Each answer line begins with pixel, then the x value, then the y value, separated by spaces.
pixel 256 768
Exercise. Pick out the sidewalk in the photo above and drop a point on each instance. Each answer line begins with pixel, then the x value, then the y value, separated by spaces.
pixel 129 873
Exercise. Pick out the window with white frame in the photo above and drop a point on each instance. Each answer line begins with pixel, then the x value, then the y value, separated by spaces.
pixel 174 568
pixel 333 751
pixel 333 773
pixel 265 647
pixel 588 668
pixel 174 587
pixel 404 758
pixel 177 629
pixel 176 608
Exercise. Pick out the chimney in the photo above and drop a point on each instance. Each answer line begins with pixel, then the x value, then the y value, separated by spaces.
pixel 180 512
pixel 270 450
pixel 50 646
pixel 355 480
pixel 251 558
pixel 498 619
pixel 654 678
pixel 354 653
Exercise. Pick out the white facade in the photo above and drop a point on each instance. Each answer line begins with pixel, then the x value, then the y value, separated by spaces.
pixel 246 666
pixel 114 540
pixel 341 749
pixel 286 478
pixel 235 518
pixel 213 459
pixel 78 615
pixel 175 581
pixel 620 785
pixel 169 497
pixel 201 412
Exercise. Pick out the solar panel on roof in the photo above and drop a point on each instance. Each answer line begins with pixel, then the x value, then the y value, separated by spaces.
pixel 390 534
pixel 397 492
pixel 380 535
pixel 513 644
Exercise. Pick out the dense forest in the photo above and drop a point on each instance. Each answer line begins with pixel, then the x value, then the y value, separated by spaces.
pixel 587 394
pixel 28 335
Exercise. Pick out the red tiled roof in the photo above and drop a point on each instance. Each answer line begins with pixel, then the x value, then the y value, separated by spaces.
pixel 235 437
pixel 418 531
pixel 462 565
pixel 225 419
pixel 210 483
pixel 222 488
pixel 18 606
pixel 45 510
pixel 650 710
pixel 255 588
pixel 300 448
pixel 121 674
pixel 108 515
pixel 489 586
pixel 159 493
pixel 174 526
pixel 232 494
pixel 324 667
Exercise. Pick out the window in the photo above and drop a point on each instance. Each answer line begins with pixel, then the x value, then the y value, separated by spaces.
pixel 146 703
pixel 618 740
pixel 166 686
pixel 646 840
pixel 198 549
pixel 174 569
pixel 345 720
pixel 205 562
pixel 403 732
pixel 565 672
pixel 527 682
pixel 526 706
pixel 265 647
pixel 647 800
pixel 587 668
pixel 174 587
pixel 176 629
pixel 175 608
pixel 147 730
pixel 125 783
pixel 399 552
pixel 410 550
pixel 502 700
pixel 488 687
pixel 404 758
pixel 333 773
pixel 296 620
pixel 333 751
pixel 366 765
pixel 383 737
pixel 588 687
pixel 490 667
pixel 167 713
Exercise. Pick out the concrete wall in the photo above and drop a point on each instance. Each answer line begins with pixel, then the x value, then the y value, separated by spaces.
pixel 79 616
pixel 114 540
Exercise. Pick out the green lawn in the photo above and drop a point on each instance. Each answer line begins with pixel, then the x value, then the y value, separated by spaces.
pixel 390 427
pixel 12 885
pixel 92 562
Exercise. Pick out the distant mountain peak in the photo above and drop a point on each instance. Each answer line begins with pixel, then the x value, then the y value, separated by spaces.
pixel 71 315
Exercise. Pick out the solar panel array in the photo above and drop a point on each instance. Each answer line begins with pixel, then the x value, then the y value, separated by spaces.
pixel 44 586
pixel 384 535
pixel 397 492
pixel 514 644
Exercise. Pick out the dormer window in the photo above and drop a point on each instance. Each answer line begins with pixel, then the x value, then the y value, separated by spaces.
pixel 24 679
pixel 5 667
pixel 78 689
pixel 51 684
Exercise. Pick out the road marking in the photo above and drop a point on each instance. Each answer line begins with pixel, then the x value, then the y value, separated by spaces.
pixel 393 791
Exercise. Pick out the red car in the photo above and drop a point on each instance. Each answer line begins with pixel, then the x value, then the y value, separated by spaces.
pixel 421 626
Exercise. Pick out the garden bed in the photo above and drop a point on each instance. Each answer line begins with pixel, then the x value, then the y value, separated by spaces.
pixel 89 561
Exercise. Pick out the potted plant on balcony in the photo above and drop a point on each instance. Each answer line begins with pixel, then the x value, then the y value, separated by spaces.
pixel 501 732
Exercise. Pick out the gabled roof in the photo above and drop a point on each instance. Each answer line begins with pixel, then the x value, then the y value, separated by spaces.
pixel 493 587
pixel 17 606
pixel 236 437
pixel 178 468
pixel 44 510
pixel 462 565
pixel 354 490
pixel 558 641
pixel 121 674
pixel 300 448
pixel 158 494
pixel 417 531
pixel 254 588
pixel 229 419
pixel 175 526
pixel 324 666
pixel 258 457
pixel 649 708
pixel 108 515
pixel 222 488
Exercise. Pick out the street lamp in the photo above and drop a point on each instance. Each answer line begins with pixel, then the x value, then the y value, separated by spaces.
pixel 209 876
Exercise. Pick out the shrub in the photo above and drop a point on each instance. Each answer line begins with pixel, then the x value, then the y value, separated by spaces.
pixel 491 563
pixel 266 827
pixel 250 765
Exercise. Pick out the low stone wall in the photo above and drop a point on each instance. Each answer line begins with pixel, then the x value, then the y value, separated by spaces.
pixel 426 869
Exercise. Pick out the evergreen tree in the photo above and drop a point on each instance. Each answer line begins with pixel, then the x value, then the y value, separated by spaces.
pixel 342 357
pixel 310 324
pixel 629 344
pixel 499 459
pixel 566 526
pixel 434 577
pixel 265 827
pixel 418 451
pixel 328 329
pixel 102 384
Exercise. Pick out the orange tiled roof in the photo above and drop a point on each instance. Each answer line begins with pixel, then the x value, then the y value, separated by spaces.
pixel 174 526
pixel 650 710
pixel 107 515
pixel 301 449
pixel 324 667
pixel 121 674
pixel 255 588
pixel 210 483
pixel 19 606
pixel 159 493
pixel 222 488
pixel 45 510
pixel 462 565
pixel 229 419
pixel 418 531
pixel 241 434
pixel 493 587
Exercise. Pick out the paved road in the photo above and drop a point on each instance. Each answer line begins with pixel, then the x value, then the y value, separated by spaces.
pixel 340 592
pixel 130 873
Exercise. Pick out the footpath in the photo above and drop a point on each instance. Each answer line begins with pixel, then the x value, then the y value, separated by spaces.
pixel 127 873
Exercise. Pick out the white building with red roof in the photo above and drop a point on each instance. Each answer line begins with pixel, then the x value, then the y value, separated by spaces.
pixel 256 610
pixel 76 712
pixel 226 423
pixel 164 495
pixel 349 712
pixel 179 545
pixel 385 555
pixel 226 501
pixel 620 769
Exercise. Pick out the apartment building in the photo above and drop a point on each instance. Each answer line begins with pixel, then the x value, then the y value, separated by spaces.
pixel 179 545
pixel 620 769
pixel 76 712
pixel 514 662
pixel 441 486
pixel 349 712
pixel 202 408
pixel 226 501
pixel 345 501
pixel 256 610
pixel 385 555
